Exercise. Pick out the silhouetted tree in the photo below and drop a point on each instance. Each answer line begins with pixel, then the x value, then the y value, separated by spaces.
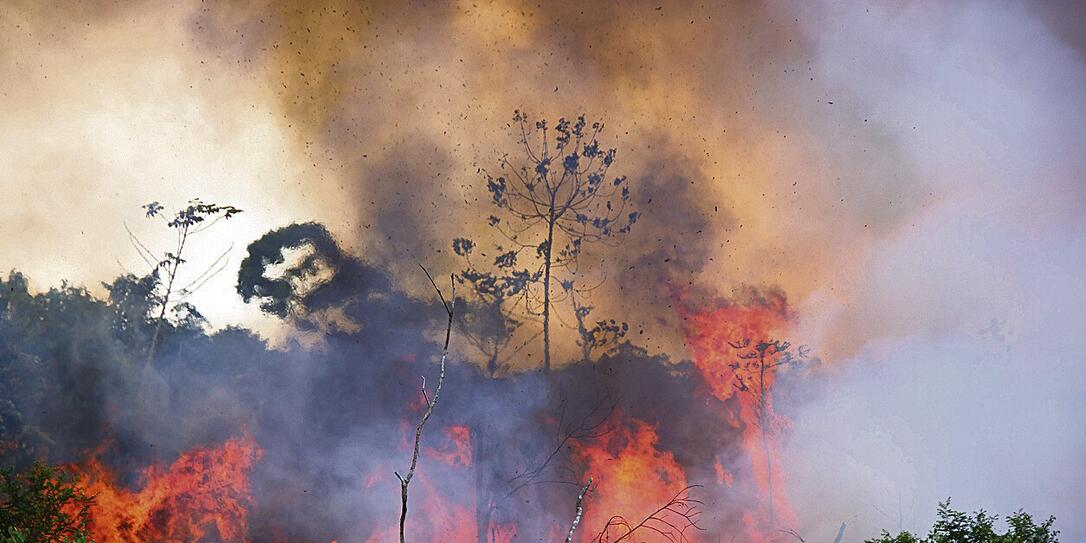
pixel 555 199
pixel 490 322
pixel 604 334
pixel 755 363
pixel 53 347
pixel 300 273
pixel 186 222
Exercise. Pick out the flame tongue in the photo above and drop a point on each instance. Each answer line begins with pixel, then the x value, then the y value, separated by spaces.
pixel 204 489
pixel 711 334
pixel 632 478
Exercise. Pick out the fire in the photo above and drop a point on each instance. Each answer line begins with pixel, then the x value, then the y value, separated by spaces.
pixel 433 516
pixel 710 332
pixel 458 447
pixel 632 478
pixel 712 335
pixel 436 514
pixel 205 488
pixel 205 492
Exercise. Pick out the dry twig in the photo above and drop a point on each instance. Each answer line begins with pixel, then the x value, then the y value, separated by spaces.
pixel 405 480
pixel 671 521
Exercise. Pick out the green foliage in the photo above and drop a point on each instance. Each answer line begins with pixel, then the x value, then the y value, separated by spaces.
pixel 43 505
pixel 958 527
pixel 15 535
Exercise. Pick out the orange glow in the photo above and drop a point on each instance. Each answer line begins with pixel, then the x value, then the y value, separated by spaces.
pixel 710 333
pixel 204 489
pixel 631 478
pixel 723 476
pixel 458 449
pixel 438 517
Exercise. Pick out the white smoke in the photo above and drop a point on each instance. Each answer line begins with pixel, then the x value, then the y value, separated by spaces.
pixel 970 382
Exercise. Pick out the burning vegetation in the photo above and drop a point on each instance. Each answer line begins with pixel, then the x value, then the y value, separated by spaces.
pixel 179 434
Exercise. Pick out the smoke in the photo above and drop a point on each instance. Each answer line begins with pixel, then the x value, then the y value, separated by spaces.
pixel 965 377
pixel 374 120
pixel 909 176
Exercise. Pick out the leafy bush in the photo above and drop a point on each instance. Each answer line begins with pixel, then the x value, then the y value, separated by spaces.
pixel 43 505
pixel 958 527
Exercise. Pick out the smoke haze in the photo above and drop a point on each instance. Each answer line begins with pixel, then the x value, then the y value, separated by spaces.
pixel 910 177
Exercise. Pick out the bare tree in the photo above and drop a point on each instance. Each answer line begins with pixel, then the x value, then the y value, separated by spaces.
pixel 670 522
pixel 589 426
pixel 405 480
pixel 555 199
pixel 186 222
pixel 755 363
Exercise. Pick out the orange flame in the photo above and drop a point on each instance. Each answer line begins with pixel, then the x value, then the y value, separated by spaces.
pixel 204 488
pixel 710 334
pixel 632 478
pixel 458 448
pixel 439 516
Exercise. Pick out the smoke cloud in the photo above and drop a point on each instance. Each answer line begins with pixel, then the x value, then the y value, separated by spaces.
pixel 911 178
pixel 964 379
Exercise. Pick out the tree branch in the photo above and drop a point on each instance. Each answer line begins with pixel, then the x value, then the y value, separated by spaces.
pixel 672 527
pixel 405 480
pixel 580 510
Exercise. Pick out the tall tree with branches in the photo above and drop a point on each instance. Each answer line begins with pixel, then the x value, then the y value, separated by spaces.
pixel 186 222
pixel 554 199
pixel 754 369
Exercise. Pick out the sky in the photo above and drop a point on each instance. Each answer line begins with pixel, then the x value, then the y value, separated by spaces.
pixel 911 177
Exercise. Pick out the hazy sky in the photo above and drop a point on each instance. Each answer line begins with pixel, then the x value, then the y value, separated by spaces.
pixel 911 176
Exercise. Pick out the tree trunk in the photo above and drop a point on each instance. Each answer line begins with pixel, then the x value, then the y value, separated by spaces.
pixel 763 417
pixel 161 317
pixel 166 298
pixel 547 295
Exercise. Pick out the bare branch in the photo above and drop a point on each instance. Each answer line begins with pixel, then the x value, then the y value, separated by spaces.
pixel 586 428
pixel 794 534
pixel 405 480
pixel 212 270
pixel 671 521
pixel 580 510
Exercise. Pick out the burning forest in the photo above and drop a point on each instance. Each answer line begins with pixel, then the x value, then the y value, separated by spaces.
pixel 503 457
pixel 494 273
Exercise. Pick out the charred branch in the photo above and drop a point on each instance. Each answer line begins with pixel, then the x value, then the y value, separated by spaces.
pixel 671 521
pixel 405 480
